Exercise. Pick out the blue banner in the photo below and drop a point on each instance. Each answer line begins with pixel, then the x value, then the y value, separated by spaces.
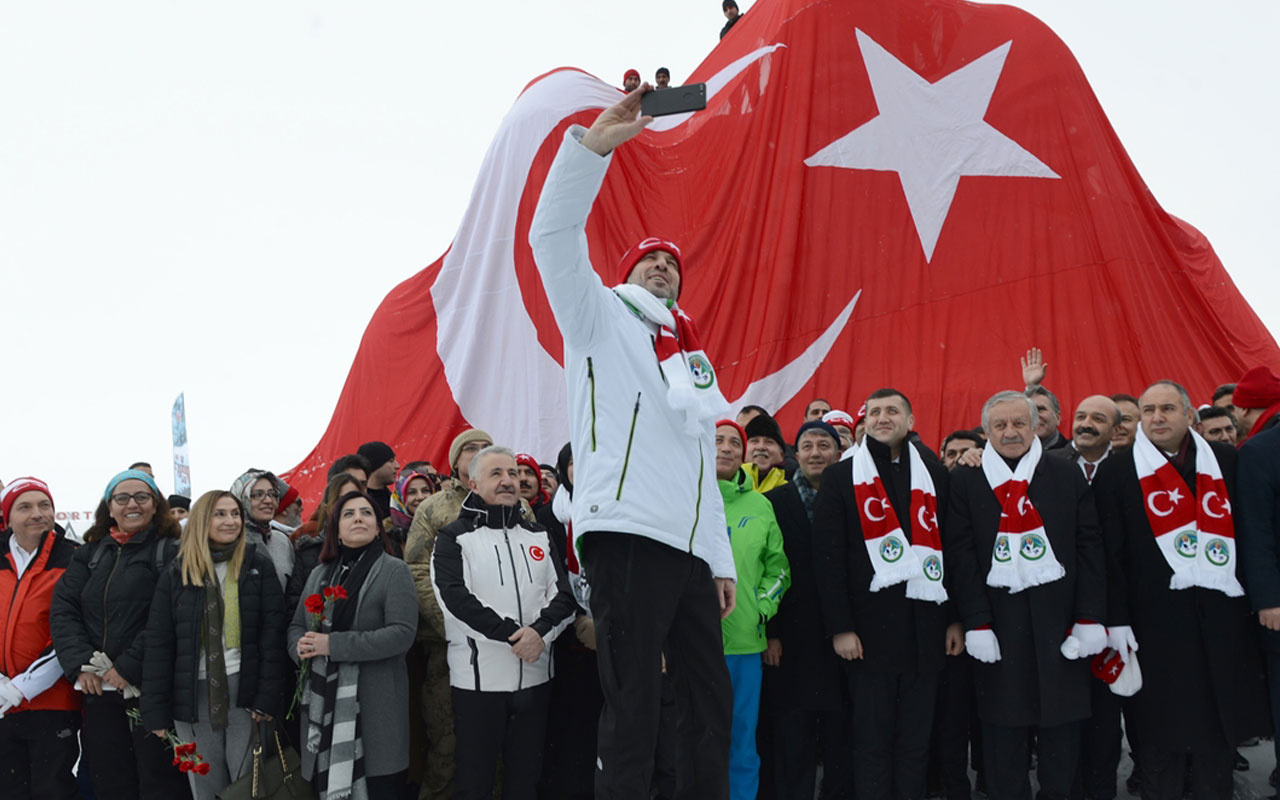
pixel 181 462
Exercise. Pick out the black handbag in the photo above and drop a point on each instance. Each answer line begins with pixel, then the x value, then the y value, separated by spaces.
pixel 275 773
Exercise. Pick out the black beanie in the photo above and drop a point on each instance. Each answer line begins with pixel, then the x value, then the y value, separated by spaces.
pixel 562 467
pixel 766 426
pixel 178 501
pixel 376 453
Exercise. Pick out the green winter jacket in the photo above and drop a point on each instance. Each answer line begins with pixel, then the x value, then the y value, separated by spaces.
pixel 763 571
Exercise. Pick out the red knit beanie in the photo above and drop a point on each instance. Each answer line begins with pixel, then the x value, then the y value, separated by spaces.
pixel 741 433
pixel 526 460
pixel 1259 388
pixel 20 486
pixel 643 248
pixel 287 500
pixel 630 74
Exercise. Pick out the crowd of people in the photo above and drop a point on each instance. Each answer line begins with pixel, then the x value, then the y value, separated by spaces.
pixel 683 605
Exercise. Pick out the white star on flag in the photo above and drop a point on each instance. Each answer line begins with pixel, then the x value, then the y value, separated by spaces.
pixel 931 134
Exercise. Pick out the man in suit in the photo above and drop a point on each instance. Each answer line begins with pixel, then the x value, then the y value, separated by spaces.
pixel 879 571
pixel 1091 431
pixel 1166 506
pixel 808 699
pixel 1026 561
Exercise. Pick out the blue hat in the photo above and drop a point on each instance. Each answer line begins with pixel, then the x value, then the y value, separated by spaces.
pixel 819 425
pixel 130 475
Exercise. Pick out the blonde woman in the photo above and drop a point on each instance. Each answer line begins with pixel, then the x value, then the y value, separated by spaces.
pixel 215 661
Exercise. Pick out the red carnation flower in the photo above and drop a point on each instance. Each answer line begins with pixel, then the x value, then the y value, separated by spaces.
pixel 202 768
pixel 176 761
pixel 185 766
pixel 340 592
pixel 315 604
pixel 328 591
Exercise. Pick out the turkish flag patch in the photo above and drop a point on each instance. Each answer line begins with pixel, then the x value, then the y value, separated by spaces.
pixel 537 553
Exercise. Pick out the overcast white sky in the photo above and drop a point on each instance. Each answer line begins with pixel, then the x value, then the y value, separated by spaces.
pixel 213 198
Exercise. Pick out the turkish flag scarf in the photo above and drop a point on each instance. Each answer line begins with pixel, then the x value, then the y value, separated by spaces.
pixel 920 565
pixel 1022 556
pixel 1195 532
pixel 691 380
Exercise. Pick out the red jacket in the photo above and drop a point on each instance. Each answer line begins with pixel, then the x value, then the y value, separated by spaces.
pixel 24 617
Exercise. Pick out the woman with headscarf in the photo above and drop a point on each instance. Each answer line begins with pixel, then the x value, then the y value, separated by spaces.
pixel 259 493
pixel 98 621
pixel 214 663
pixel 355 707
pixel 413 485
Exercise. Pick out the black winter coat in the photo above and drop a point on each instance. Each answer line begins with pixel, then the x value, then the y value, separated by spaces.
pixel 1032 683
pixel 1202 674
pixel 174 651
pixel 899 635
pixel 306 554
pixel 809 675
pixel 105 608
pixel 1257 518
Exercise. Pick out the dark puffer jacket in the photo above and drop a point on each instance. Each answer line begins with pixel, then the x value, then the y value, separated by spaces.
pixel 174 650
pixel 103 599
pixel 306 554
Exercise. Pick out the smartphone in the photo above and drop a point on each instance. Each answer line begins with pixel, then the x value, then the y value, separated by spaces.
pixel 674 100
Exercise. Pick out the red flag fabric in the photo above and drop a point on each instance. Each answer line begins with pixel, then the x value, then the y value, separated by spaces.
pixel 906 194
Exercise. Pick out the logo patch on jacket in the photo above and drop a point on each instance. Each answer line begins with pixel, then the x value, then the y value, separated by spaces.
pixel 703 375
pixel 536 553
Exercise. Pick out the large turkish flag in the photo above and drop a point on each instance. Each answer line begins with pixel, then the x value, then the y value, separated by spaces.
pixel 878 193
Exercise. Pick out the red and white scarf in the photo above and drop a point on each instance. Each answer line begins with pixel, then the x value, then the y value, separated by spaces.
pixel 920 565
pixel 1022 556
pixel 692 389
pixel 1195 532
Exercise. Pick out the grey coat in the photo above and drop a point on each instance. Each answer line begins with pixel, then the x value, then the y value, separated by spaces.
pixel 385 627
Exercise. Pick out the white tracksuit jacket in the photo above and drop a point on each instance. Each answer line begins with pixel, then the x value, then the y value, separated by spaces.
pixel 636 469
pixel 493 572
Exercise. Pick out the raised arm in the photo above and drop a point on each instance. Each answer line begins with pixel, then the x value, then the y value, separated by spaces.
pixel 557 235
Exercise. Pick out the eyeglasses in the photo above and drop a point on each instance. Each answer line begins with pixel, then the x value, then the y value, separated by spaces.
pixel 122 499
pixel 474 447
pixel 262 493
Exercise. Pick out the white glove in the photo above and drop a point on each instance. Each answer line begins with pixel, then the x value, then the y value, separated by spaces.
pixel 10 696
pixel 1121 639
pixel 1085 639
pixel 983 645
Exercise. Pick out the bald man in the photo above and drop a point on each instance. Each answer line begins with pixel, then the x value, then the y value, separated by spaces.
pixel 1095 421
